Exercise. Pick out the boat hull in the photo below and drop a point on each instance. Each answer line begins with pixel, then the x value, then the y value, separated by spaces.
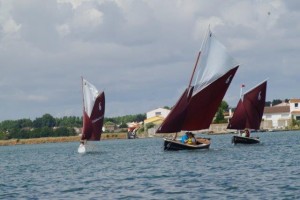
pixel 173 145
pixel 245 140
pixel 131 135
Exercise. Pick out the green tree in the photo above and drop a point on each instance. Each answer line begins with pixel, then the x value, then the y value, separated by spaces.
pixel 149 125
pixel 276 102
pixel 3 136
pixel 220 117
pixel 220 113
pixel 46 120
pixel 23 123
pixel 64 131
pixel 70 121
pixel 224 106
pixel 123 125
pixel 268 103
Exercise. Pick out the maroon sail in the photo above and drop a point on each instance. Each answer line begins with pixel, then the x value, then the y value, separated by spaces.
pixel 249 111
pixel 174 120
pixel 203 105
pixel 208 84
pixel 93 112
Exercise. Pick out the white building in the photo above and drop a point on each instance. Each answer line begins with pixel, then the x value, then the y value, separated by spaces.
pixel 280 116
pixel 159 112
pixel 156 117
pixel 295 108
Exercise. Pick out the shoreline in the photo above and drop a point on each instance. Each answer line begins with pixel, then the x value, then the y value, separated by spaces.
pixel 104 136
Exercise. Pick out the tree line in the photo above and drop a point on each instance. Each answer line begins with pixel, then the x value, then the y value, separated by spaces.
pixel 48 126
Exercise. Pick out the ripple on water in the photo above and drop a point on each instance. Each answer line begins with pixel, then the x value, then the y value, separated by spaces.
pixel 140 169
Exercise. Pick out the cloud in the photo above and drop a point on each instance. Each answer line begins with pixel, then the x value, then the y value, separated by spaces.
pixel 11 27
pixel 141 53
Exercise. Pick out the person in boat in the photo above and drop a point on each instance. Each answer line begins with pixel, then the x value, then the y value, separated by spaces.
pixel 81 143
pixel 191 139
pixel 247 133
pixel 185 137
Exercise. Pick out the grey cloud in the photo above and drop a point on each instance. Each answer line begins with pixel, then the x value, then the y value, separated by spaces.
pixel 141 52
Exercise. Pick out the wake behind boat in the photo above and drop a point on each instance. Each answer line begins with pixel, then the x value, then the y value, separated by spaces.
pixel 248 113
pixel 93 114
pixel 198 104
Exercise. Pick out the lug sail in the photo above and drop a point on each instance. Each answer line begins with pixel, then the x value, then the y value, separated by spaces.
pixel 209 82
pixel 173 122
pixel 93 111
pixel 203 105
pixel 250 108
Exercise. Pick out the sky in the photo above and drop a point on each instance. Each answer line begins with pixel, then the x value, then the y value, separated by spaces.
pixel 141 53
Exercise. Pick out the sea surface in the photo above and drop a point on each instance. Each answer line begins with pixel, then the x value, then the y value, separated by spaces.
pixel 140 169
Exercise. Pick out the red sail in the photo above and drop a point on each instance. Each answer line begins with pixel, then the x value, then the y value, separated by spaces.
pixel 249 111
pixel 175 118
pixel 92 126
pixel 204 104
pixel 209 82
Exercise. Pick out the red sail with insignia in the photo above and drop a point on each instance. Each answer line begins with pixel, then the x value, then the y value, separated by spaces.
pixel 209 82
pixel 203 106
pixel 93 112
pixel 249 111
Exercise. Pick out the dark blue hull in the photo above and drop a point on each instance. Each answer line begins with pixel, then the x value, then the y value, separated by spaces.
pixel 173 145
pixel 131 135
pixel 245 140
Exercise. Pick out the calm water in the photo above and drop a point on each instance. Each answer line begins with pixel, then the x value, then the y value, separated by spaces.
pixel 140 169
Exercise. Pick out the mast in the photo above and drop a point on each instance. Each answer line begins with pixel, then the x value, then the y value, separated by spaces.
pixel 82 108
pixel 195 68
pixel 241 91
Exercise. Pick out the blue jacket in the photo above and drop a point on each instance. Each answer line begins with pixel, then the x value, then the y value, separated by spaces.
pixel 184 138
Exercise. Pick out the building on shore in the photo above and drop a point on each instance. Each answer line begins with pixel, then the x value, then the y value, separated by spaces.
pixel 155 117
pixel 275 117
pixel 281 115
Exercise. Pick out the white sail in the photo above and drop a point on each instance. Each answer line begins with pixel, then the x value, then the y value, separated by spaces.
pixel 214 63
pixel 90 94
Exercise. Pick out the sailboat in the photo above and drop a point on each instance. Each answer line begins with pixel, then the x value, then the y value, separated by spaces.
pixel 248 113
pixel 196 108
pixel 93 114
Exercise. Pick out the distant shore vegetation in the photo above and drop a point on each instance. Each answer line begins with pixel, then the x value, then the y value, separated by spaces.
pixel 48 126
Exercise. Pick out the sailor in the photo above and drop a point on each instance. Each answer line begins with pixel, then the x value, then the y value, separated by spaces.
pixel 192 139
pixel 247 133
pixel 81 142
pixel 185 137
